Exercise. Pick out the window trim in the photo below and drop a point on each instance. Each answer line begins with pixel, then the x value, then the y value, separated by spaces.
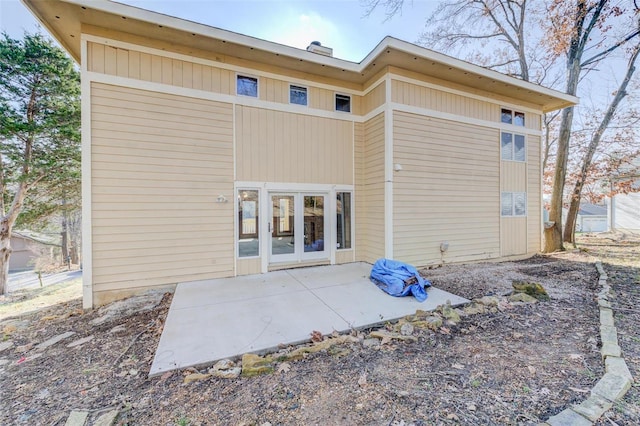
pixel 242 75
pixel 513 146
pixel 306 88
pixel 236 236
pixel 335 102
pixel 513 204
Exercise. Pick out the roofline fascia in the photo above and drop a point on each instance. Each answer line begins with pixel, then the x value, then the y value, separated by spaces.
pixel 387 42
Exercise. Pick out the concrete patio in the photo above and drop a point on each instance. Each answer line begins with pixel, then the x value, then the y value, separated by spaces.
pixel 223 318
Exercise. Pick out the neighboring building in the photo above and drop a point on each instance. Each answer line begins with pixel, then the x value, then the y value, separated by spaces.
pixel 624 209
pixel 207 153
pixel 27 247
pixel 592 218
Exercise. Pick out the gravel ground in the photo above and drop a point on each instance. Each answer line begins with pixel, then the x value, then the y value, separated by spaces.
pixel 514 364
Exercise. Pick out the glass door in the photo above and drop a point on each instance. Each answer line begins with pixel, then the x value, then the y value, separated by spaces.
pixel 314 226
pixel 298 227
pixel 283 228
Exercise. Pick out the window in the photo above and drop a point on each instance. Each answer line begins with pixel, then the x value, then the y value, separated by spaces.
pixel 513 204
pixel 343 103
pixel 248 220
pixel 343 209
pixel 247 86
pixel 512 147
pixel 297 95
pixel 512 117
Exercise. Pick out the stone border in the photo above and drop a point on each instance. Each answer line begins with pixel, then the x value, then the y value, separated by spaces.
pixel 617 378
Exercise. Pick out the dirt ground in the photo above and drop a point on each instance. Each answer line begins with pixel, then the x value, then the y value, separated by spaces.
pixel 520 364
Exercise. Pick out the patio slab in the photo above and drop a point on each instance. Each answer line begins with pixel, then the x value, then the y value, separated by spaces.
pixel 223 318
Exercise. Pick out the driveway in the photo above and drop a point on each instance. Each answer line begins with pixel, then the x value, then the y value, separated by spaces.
pixel 29 279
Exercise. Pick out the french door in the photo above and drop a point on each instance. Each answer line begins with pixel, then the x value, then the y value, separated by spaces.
pixel 297 227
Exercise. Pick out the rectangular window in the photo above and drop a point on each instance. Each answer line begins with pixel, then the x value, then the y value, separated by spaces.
pixel 247 86
pixel 344 220
pixel 512 117
pixel 297 95
pixel 248 223
pixel 512 147
pixel 343 103
pixel 513 204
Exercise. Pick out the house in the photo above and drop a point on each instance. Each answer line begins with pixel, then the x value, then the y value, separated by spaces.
pixel 27 247
pixel 208 153
pixel 624 208
pixel 592 218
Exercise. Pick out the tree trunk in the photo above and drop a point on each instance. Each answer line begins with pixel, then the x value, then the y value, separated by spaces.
pixel 5 254
pixel 574 206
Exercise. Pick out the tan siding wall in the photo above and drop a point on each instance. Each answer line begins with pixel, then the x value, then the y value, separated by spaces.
pixel 448 190
pixel 275 146
pixel 438 100
pixel 533 121
pixel 158 162
pixel 514 176
pixel 358 152
pixel 248 266
pixel 374 98
pixel 159 69
pixel 344 256
pixel 514 235
pixel 370 194
pixel 534 190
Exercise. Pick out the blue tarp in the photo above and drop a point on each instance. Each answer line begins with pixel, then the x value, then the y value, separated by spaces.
pixel 392 277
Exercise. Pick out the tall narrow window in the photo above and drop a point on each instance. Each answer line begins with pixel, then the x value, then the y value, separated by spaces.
pixel 248 216
pixel 513 204
pixel 298 95
pixel 343 103
pixel 247 86
pixel 512 147
pixel 344 220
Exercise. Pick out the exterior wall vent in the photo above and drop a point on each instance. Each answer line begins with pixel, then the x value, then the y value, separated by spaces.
pixel 316 47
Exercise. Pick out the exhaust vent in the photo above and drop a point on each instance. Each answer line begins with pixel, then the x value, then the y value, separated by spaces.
pixel 317 47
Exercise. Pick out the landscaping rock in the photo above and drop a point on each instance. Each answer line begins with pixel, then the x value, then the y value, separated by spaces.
pixel 406 329
pixel 195 377
pixel 522 298
pixel 617 366
pixel 488 301
pixel 370 343
pixel 611 387
pixel 532 289
pixel 225 369
pixel 474 309
pixel 55 339
pixel 6 345
pixel 387 336
pixel 594 407
pixel 107 419
pixel 80 342
pixel 568 417
pixel 77 418
pixel 450 314
pixel 254 365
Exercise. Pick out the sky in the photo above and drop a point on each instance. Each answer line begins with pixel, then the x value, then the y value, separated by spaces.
pixel 339 24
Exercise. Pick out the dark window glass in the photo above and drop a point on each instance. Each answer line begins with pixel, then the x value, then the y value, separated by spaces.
pixel 248 216
pixel 343 103
pixel 518 118
pixel 298 95
pixel 247 86
pixel 506 116
pixel 344 220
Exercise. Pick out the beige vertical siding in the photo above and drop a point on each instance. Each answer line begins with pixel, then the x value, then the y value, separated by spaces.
pixel 248 266
pixel 514 235
pixel 159 69
pixel 370 193
pixel 514 176
pixel 276 146
pixel 439 100
pixel 533 121
pixel 374 98
pixel 344 256
pixel 448 190
pixel 534 194
pixel 158 163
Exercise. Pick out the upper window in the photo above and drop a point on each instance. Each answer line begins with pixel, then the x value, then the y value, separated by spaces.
pixel 247 86
pixel 512 117
pixel 513 204
pixel 297 95
pixel 343 103
pixel 512 147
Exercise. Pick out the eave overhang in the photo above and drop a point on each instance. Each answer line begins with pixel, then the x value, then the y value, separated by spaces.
pixel 64 20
